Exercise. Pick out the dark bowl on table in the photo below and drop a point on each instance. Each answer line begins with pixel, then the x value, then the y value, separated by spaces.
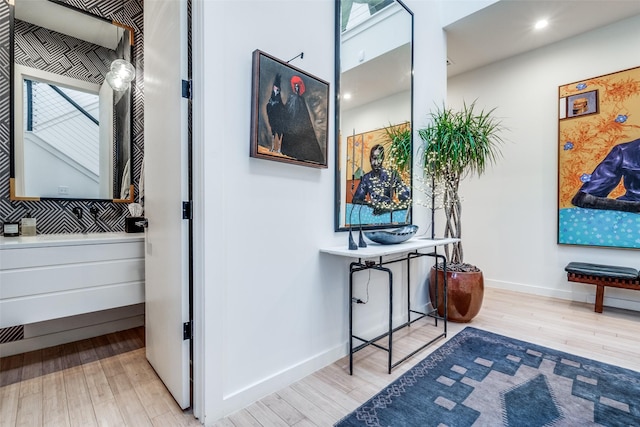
pixel 392 237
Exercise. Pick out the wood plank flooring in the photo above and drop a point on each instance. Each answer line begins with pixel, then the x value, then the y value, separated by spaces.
pixel 106 381
pixel 103 381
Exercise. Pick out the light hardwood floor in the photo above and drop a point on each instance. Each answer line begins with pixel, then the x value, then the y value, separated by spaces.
pixel 107 381
pixel 103 381
pixel 329 394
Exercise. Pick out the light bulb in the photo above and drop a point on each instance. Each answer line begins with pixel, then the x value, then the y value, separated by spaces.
pixel 124 69
pixel 116 82
pixel 121 74
pixel 541 24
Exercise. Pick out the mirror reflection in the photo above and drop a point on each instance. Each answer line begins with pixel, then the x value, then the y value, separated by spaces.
pixel 374 64
pixel 71 128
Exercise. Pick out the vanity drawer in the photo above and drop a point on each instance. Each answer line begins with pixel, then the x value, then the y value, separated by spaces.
pixel 30 257
pixel 48 281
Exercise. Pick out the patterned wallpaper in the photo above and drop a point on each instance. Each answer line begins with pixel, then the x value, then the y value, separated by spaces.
pixel 47 50
pixel 56 216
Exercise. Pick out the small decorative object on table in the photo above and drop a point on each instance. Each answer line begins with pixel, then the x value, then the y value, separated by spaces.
pixel 392 237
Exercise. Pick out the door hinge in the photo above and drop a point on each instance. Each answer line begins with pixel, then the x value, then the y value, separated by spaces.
pixel 186 210
pixel 187 332
pixel 187 89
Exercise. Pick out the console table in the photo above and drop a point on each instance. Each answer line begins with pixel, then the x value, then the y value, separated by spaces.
pixel 375 257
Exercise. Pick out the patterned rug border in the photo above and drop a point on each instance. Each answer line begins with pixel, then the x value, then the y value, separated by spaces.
pixel 406 381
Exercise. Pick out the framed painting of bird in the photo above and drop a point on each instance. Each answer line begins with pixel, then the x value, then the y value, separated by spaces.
pixel 289 113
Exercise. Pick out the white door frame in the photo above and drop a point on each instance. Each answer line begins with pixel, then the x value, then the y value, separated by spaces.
pixel 197 209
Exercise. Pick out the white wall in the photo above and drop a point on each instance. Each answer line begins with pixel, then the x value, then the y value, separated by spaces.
pixel 387 111
pixel 453 10
pixel 374 36
pixel 513 208
pixel 274 308
pixel 61 172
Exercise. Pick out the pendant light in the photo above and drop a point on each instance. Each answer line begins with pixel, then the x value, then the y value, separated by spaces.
pixel 121 74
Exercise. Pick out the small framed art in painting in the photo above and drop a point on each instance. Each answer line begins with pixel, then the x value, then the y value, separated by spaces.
pixel 582 104
pixel 289 111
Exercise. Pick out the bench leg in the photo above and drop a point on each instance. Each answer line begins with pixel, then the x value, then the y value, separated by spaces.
pixel 599 298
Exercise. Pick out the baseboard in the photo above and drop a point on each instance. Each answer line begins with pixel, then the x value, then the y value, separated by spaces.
pixel 618 298
pixel 529 289
pixel 240 398
pixel 237 399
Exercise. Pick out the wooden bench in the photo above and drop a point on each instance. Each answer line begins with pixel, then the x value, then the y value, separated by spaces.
pixel 601 276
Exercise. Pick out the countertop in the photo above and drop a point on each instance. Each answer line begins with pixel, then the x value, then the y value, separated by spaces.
pixel 69 239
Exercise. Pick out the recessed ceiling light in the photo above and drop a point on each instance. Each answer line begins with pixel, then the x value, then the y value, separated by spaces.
pixel 346 96
pixel 541 24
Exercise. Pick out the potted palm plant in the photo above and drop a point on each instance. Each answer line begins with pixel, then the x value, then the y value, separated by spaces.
pixel 456 144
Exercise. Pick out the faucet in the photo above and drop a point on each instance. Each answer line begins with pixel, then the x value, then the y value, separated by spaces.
pixel 78 212
pixel 94 211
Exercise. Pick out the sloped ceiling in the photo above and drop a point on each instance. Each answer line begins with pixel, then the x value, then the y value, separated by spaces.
pixel 505 28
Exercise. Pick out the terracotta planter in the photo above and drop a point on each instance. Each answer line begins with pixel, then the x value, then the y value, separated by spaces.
pixel 465 294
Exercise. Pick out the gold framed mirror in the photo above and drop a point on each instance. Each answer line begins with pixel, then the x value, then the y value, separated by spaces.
pixel 71 134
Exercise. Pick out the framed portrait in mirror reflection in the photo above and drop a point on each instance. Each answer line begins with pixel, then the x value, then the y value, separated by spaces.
pixel 289 111
pixel 377 181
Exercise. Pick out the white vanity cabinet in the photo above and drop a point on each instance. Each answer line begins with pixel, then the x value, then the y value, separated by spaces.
pixel 52 284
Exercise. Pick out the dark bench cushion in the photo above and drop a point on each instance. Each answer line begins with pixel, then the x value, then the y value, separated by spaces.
pixel 600 270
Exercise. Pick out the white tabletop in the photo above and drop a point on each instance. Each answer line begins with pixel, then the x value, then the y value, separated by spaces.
pixel 374 250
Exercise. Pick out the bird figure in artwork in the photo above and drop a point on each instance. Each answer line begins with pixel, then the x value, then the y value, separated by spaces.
pixel 276 115
pixel 300 140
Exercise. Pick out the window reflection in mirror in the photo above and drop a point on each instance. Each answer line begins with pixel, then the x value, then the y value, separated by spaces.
pixel 59 132
pixel 374 81
pixel 71 131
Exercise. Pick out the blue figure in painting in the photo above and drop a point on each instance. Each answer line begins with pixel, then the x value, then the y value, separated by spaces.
pixel 621 163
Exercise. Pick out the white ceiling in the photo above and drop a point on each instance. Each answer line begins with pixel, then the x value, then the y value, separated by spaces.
pixel 364 82
pixel 498 31
pixel 505 28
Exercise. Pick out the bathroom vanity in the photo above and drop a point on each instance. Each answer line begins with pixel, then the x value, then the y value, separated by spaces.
pixel 61 287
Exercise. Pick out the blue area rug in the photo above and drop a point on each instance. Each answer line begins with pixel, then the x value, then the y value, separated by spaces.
pixel 483 379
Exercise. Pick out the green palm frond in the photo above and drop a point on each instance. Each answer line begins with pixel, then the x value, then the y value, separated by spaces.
pixel 399 146
pixel 459 143
pixel 456 144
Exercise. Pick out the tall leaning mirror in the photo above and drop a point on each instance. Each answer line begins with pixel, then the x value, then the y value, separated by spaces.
pixel 374 110
pixel 71 104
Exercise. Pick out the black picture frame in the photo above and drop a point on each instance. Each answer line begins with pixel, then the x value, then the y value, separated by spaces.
pixel 288 124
